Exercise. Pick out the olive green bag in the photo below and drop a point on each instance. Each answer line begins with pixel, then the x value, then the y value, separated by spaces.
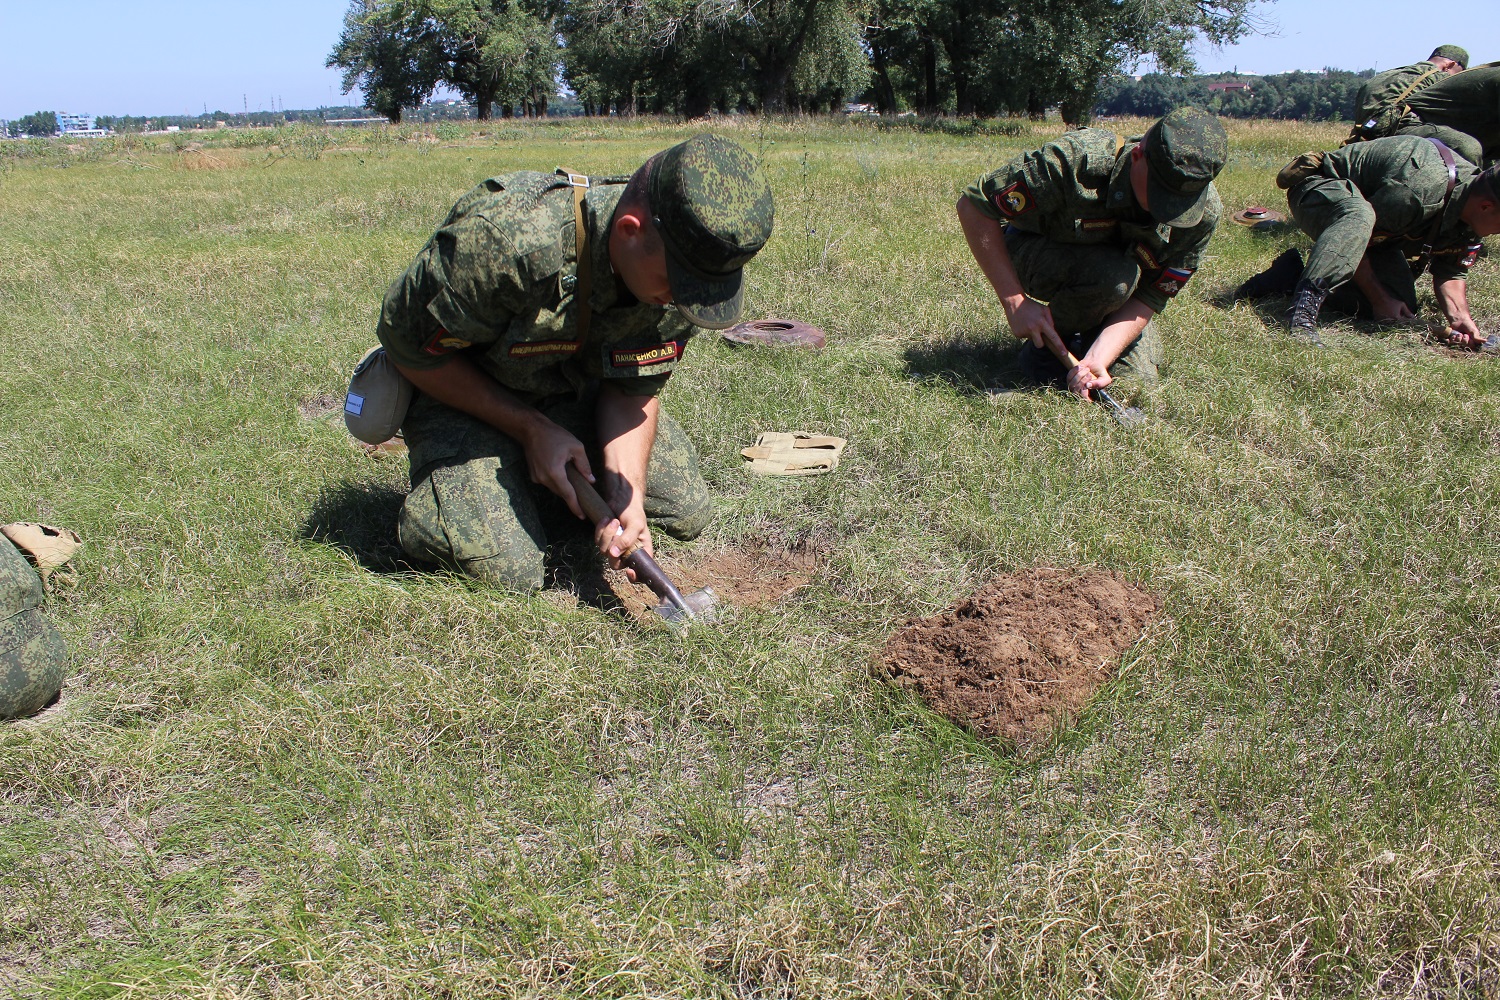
pixel 33 659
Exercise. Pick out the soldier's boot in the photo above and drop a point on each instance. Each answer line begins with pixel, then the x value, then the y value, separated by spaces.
pixel 1279 279
pixel 1302 318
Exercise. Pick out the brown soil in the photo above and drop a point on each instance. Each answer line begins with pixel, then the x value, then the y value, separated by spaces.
pixel 1023 654
pixel 748 576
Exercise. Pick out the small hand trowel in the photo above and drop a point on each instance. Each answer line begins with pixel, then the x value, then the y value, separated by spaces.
pixel 676 608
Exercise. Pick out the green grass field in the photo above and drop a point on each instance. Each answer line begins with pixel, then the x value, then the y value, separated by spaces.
pixel 282 767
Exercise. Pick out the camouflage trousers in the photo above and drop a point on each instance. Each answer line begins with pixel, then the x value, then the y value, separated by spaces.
pixel 1336 215
pixel 1082 285
pixel 33 659
pixel 473 507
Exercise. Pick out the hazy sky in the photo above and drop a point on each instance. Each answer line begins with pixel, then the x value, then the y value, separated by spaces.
pixel 151 57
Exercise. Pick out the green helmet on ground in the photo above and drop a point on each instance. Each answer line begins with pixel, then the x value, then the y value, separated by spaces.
pixel 33 660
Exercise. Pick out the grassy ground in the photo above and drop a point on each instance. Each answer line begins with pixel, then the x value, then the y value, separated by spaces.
pixel 281 769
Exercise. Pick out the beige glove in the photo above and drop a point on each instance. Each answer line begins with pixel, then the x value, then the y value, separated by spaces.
pixel 49 547
pixel 779 453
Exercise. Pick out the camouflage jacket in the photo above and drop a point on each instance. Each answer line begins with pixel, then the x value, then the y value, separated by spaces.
pixel 496 284
pixel 1405 181
pixel 1076 189
pixel 1380 108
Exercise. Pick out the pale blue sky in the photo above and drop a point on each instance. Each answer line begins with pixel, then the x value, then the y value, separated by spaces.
pixel 155 57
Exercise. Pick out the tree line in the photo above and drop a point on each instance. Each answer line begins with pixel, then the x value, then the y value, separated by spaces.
pixel 691 57
pixel 1325 96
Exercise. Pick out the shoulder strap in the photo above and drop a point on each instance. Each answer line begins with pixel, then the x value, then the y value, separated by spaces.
pixel 1412 87
pixel 583 288
pixel 1437 224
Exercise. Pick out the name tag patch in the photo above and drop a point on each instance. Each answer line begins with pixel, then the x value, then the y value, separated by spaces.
pixel 543 347
pixel 354 404
pixel 1094 225
pixel 1171 281
pixel 444 342
pixel 1147 258
pixel 645 357
pixel 1014 200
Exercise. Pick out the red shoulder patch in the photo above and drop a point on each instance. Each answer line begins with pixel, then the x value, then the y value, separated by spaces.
pixel 444 342
pixel 1015 200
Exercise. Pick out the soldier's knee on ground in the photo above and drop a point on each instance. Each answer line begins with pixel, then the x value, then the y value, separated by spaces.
pixel 688 521
pixel 461 517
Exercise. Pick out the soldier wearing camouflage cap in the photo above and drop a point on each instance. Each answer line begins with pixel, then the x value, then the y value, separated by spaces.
pixel 1381 107
pixel 537 326
pixel 1102 230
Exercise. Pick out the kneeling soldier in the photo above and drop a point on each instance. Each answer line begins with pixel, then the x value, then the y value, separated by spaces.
pixel 537 328
pixel 1090 236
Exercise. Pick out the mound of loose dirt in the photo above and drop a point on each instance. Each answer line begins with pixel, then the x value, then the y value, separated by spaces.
pixel 1023 654
pixel 748 576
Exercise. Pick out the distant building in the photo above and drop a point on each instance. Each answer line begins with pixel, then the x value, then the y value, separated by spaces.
pixel 1226 85
pixel 78 125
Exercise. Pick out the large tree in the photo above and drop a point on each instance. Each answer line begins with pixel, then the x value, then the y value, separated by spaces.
pixel 390 50
pixel 498 51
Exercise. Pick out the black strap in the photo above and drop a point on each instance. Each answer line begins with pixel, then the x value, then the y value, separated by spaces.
pixel 1437 224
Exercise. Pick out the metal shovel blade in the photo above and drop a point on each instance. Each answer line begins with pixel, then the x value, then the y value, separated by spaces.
pixel 700 606
pixel 1125 416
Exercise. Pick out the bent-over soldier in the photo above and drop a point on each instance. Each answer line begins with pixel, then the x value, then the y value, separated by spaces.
pixel 1381 108
pixel 1380 212
pixel 537 327
pixel 1463 111
pixel 1087 238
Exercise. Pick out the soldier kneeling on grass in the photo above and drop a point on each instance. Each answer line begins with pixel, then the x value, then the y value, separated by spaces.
pixel 33 659
pixel 1381 212
pixel 537 328
pixel 1087 238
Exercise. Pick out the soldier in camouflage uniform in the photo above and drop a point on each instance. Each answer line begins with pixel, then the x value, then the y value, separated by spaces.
pixel 1463 111
pixel 1371 207
pixel 527 359
pixel 32 656
pixel 1381 108
pixel 1087 238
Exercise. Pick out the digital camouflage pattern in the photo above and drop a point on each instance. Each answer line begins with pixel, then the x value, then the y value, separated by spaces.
pixel 1185 151
pixel 496 282
pixel 473 507
pixel 1383 194
pixel 33 660
pixel 714 211
pixel 1074 193
pixel 1467 104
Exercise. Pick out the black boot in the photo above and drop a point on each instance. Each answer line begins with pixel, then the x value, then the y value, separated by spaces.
pixel 1278 279
pixel 1302 318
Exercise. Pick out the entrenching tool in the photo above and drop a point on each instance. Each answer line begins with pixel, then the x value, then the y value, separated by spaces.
pixel 676 608
pixel 1125 416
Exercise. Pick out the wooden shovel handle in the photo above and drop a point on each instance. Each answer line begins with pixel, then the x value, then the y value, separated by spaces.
pixel 636 558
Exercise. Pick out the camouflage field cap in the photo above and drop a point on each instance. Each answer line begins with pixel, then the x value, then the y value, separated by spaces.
pixel 1184 153
pixel 713 209
pixel 1457 53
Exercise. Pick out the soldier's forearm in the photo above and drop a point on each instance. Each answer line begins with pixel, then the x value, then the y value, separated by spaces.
pixel 627 432
pixel 986 239
pixel 1453 297
pixel 1121 329
pixel 464 386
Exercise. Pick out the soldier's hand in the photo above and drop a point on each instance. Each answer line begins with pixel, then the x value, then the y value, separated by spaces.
pixel 625 533
pixel 1393 310
pixel 549 449
pixel 1088 375
pixel 1463 333
pixel 1030 320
